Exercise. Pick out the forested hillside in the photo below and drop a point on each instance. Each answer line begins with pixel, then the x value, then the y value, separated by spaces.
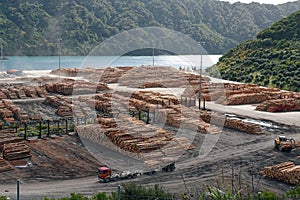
pixel 34 27
pixel 272 60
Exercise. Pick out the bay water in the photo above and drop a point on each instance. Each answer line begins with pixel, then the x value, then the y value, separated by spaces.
pixel 54 62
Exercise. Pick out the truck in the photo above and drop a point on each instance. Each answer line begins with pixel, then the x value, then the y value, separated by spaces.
pixel 283 143
pixel 105 174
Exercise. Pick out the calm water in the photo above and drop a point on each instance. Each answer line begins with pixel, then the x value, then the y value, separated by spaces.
pixel 52 62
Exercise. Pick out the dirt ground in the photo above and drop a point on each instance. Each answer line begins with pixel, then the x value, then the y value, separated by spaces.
pixel 55 158
pixel 61 166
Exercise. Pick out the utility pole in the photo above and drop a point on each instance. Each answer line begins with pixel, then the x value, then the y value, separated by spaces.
pixel 200 84
pixel 200 73
pixel 153 56
pixel 59 52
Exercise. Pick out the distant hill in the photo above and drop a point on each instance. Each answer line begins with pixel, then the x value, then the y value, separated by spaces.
pixel 33 27
pixel 272 59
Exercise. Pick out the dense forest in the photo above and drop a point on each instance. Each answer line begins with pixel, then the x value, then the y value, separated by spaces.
pixel 271 60
pixel 75 27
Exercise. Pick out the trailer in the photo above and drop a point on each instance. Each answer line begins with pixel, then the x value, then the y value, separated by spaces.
pixel 105 174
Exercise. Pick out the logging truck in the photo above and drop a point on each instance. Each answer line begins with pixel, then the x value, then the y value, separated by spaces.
pixel 105 173
pixel 285 144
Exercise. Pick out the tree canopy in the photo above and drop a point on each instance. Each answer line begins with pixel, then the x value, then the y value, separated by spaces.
pixel 271 60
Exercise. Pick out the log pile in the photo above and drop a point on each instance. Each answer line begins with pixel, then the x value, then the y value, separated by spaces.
pixel 4 165
pixel 8 136
pixel 21 94
pixel 240 99
pixel 107 75
pixel 113 74
pixel 238 94
pixel 232 123
pixel 17 111
pixel 30 92
pixel 287 172
pixel 134 136
pixel 70 86
pixel 6 115
pixel 2 95
pixel 15 91
pixel 162 76
pixel 64 111
pixel 280 105
pixel 16 151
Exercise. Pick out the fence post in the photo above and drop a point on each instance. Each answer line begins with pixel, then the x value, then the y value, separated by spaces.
pixel 67 127
pixel 48 127
pixel 25 130
pixel 58 131
pixel 16 127
pixel 40 133
pixel 259 195
pixel 18 189
pixel 119 192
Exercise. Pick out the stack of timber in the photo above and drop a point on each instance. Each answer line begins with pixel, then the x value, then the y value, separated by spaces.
pixel 41 92
pixel 4 165
pixel 107 75
pixel 239 94
pixel 64 105
pixel 280 105
pixel 165 108
pixel 15 151
pixel 12 93
pixel 154 76
pixel 240 99
pixel 18 112
pixel 8 136
pixel 287 172
pixel 6 115
pixel 135 139
pixel 30 91
pixel 21 94
pixel 232 123
pixel 64 111
pixel 113 74
pixel 15 91
pixel 71 86
pixel 134 136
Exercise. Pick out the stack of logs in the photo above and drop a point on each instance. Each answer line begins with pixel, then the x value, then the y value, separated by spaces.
pixel 63 105
pixel 239 94
pixel 68 107
pixel 70 86
pixel 287 172
pixel 280 105
pixel 162 76
pixel 5 113
pixel 107 75
pixel 4 165
pixel 18 112
pixel 21 92
pixel 232 123
pixel 134 136
pixel 166 109
pixel 15 151
pixel 8 136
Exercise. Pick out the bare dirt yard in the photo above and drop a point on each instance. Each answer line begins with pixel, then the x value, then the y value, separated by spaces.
pixel 62 165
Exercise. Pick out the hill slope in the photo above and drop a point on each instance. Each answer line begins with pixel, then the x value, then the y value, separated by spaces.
pixel 33 27
pixel 273 59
